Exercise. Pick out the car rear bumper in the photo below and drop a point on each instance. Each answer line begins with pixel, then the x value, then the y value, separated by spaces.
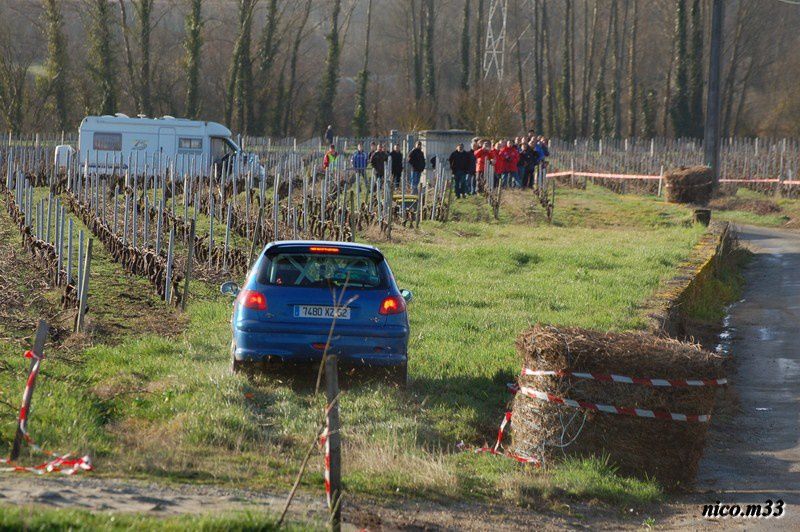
pixel 292 346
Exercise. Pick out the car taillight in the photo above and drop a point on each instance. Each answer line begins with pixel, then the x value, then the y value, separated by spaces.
pixel 324 249
pixel 392 305
pixel 253 300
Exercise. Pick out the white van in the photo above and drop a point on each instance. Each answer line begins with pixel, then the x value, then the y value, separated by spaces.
pixel 121 142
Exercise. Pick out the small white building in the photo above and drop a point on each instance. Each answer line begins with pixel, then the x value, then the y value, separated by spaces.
pixel 441 143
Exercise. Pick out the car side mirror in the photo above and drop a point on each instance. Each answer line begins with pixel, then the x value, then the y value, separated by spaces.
pixel 407 295
pixel 230 288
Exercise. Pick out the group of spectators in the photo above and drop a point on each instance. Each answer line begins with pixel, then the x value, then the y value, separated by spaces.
pixel 510 163
pixel 486 164
pixel 383 162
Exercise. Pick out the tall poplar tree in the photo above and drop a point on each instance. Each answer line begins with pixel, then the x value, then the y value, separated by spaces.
pixel 330 77
pixel 193 44
pixel 360 122
pixel 465 49
pixel 696 73
pixel 102 64
pixel 679 110
pixel 144 11
pixel 57 67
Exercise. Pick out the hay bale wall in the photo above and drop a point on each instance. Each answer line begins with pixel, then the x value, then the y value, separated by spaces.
pixel 667 450
pixel 694 184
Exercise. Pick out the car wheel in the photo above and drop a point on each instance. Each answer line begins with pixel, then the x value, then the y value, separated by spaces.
pixel 239 366
pixel 399 376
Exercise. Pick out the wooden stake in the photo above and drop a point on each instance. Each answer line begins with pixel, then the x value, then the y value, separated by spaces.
pixel 84 288
pixel 334 442
pixel 189 259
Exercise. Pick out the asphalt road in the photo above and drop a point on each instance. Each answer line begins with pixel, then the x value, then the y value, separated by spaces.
pixel 754 450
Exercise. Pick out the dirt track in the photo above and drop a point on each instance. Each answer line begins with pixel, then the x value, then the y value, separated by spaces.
pixel 754 453
pixel 99 494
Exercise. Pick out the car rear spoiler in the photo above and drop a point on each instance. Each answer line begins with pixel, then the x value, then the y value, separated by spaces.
pixel 325 249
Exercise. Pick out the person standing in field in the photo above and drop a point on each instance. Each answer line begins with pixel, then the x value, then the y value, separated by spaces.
pixel 510 157
pixel 499 163
pixel 378 161
pixel 459 165
pixel 483 160
pixel 330 157
pixel 470 180
pixel 527 162
pixel 359 162
pixel 416 159
pixel 396 157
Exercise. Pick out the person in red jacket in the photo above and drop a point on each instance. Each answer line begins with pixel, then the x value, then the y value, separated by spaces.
pixel 483 157
pixel 510 156
pixel 499 163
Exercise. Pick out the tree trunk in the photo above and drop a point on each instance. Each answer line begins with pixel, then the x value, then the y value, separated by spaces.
pixel 102 63
pixel 360 123
pixel 730 79
pixel 330 77
pixel 134 85
pixel 632 81
pixel 566 130
pixel 696 84
pixel 417 36
pixel 477 61
pixel 193 44
pixel 430 75
pixel 57 62
pixel 521 80
pixel 267 49
pixel 680 105
pixel 538 58
pixel 551 119
pixel 588 65
pixel 619 62
pixel 465 48
pixel 291 92
pixel 144 10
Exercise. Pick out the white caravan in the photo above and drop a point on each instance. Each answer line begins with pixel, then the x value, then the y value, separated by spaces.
pixel 108 143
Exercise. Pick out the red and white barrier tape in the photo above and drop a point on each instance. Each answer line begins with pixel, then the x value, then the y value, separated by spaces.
pixel 496 449
pixel 324 442
pixel 677 383
pixel 617 176
pixel 60 463
pixel 609 409
pixel 788 182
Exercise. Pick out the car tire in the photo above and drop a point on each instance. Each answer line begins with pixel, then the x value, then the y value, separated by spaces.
pixel 239 366
pixel 399 376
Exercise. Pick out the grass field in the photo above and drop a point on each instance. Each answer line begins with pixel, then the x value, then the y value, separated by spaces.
pixel 755 208
pixel 33 518
pixel 167 407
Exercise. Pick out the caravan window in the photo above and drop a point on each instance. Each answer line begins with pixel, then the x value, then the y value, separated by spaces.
pixel 107 141
pixel 190 143
pixel 220 147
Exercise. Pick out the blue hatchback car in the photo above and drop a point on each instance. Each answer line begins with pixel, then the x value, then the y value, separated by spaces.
pixel 296 289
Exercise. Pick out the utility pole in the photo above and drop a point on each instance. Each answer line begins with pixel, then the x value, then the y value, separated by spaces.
pixel 711 137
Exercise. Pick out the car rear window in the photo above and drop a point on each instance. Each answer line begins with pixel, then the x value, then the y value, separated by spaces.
pixel 321 270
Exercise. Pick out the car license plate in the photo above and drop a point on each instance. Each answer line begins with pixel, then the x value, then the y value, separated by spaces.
pixel 321 311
